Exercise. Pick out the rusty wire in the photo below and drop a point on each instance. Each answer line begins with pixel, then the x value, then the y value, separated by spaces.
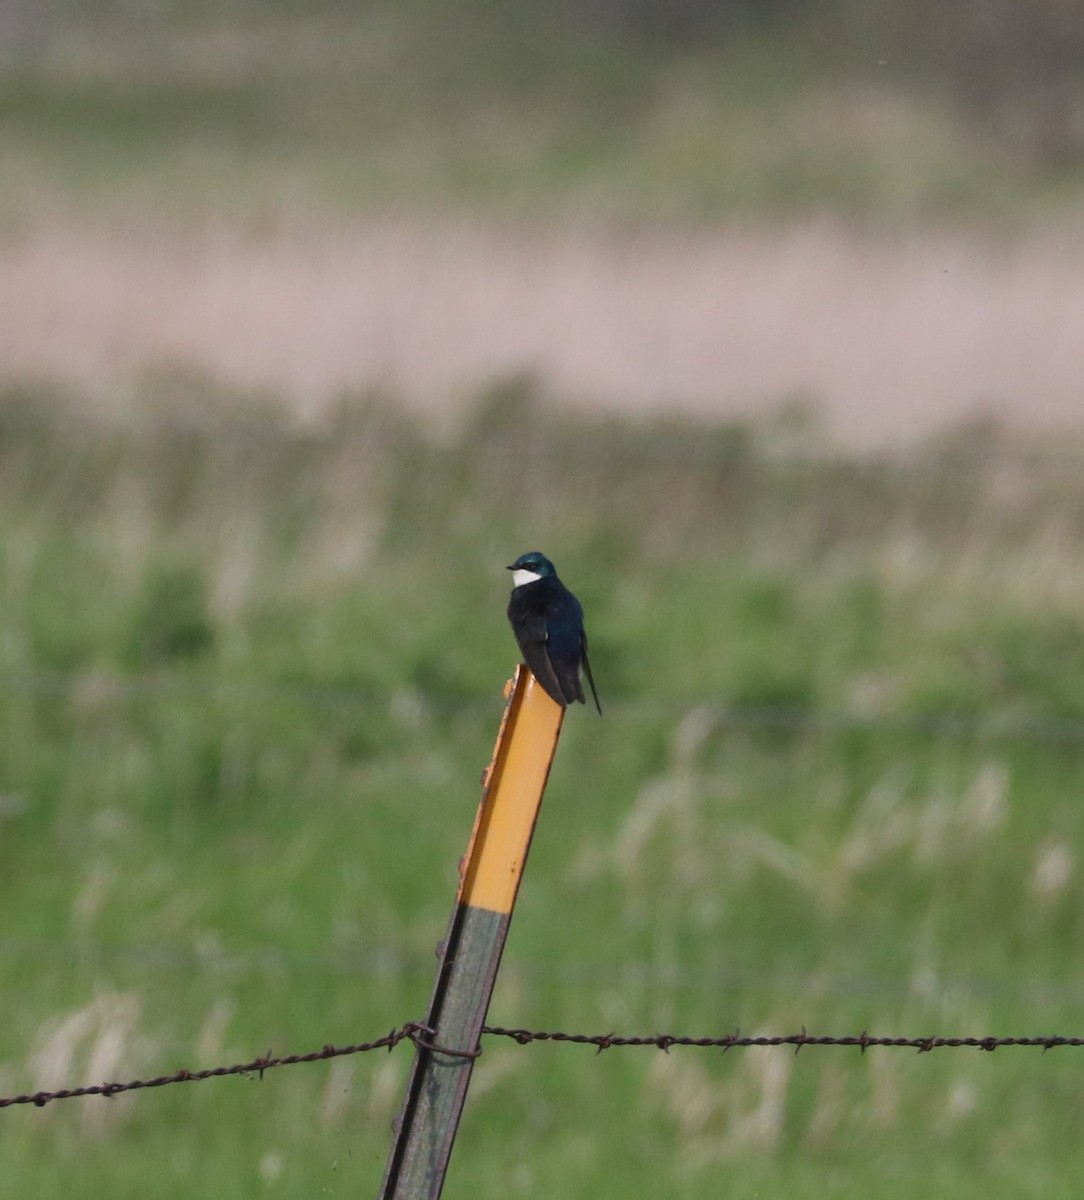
pixel 864 1041
pixel 422 1038
pixel 256 1067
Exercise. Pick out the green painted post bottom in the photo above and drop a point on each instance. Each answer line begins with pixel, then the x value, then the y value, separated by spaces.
pixel 426 1127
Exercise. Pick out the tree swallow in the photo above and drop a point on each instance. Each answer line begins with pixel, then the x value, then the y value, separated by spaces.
pixel 548 623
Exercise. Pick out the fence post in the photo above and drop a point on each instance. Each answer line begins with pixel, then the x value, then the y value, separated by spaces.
pixel 489 877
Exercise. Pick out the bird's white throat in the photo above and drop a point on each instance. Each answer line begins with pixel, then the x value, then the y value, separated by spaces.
pixel 520 576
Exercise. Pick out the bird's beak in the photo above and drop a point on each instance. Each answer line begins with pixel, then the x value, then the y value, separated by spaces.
pixel 510 567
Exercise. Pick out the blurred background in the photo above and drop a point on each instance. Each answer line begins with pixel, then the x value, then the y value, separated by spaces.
pixel 763 320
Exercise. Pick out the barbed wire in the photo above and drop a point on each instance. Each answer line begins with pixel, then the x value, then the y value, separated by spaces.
pixel 730 1041
pixel 422 1038
pixel 256 1067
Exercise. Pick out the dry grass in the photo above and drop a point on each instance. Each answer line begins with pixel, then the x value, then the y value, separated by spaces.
pixel 892 336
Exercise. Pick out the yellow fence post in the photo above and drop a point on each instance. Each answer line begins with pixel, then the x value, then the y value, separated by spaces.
pixel 490 874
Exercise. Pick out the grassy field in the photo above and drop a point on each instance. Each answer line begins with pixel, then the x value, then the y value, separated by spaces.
pixel 262 118
pixel 250 671
pixel 250 676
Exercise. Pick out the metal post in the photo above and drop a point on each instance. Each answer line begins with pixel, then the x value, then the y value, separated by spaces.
pixel 489 877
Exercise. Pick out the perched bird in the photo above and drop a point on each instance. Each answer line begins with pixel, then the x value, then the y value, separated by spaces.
pixel 548 623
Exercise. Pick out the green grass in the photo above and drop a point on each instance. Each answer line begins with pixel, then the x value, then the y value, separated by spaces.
pixel 273 117
pixel 248 679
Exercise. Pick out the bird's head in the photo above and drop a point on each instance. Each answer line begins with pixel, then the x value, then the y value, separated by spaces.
pixel 530 567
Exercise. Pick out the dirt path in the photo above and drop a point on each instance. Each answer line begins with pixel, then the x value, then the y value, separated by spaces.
pixel 891 336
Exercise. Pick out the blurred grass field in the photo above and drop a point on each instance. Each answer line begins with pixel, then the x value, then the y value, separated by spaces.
pixel 261 117
pixel 250 676
pixel 251 668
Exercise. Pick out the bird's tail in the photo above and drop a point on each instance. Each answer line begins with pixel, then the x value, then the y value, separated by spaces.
pixel 590 677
